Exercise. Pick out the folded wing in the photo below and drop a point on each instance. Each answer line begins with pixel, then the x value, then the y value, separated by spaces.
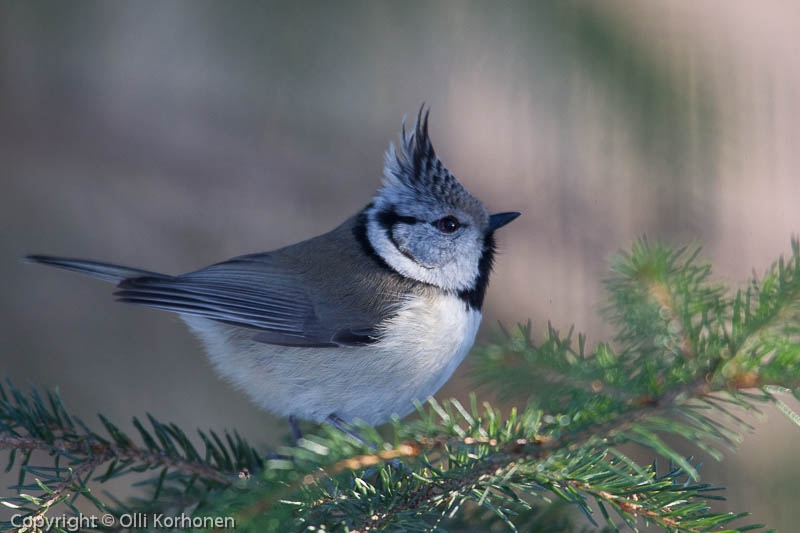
pixel 253 294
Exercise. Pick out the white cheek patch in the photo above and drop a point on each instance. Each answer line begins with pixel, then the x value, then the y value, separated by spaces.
pixel 456 275
pixel 387 250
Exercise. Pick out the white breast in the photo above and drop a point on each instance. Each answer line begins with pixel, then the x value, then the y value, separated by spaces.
pixel 420 348
pixel 425 343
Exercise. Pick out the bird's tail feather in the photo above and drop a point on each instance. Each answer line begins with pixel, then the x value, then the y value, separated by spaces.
pixel 96 269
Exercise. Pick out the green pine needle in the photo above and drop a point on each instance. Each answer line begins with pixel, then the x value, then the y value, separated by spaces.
pixel 686 350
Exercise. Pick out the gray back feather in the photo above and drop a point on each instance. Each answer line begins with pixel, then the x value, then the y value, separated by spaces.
pixel 326 291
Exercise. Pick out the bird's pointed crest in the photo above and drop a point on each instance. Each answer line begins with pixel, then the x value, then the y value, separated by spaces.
pixel 412 168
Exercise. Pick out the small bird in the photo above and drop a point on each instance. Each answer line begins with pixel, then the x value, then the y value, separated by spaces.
pixel 354 324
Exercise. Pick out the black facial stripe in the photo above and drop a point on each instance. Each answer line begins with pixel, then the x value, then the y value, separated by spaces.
pixel 360 233
pixel 403 251
pixel 474 297
pixel 389 217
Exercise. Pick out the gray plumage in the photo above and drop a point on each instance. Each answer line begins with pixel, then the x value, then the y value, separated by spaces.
pixel 356 323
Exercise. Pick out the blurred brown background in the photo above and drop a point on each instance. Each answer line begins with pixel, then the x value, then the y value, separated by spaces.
pixel 169 135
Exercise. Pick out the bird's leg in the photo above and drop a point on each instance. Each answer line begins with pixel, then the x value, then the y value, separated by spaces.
pixel 296 433
pixel 296 436
pixel 344 427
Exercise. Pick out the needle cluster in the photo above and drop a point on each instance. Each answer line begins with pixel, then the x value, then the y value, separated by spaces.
pixel 688 353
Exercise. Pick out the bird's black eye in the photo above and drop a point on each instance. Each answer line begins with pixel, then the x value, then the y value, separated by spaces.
pixel 447 224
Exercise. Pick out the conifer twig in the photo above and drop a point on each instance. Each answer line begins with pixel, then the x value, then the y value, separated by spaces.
pixel 683 352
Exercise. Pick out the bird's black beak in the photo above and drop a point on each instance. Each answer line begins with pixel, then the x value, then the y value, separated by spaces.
pixel 501 219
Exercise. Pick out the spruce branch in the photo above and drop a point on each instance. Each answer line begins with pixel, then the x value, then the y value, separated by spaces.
pixel 30 423
pixel 687 354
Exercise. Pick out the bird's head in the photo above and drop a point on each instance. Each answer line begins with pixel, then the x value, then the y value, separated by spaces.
pixel 425 225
